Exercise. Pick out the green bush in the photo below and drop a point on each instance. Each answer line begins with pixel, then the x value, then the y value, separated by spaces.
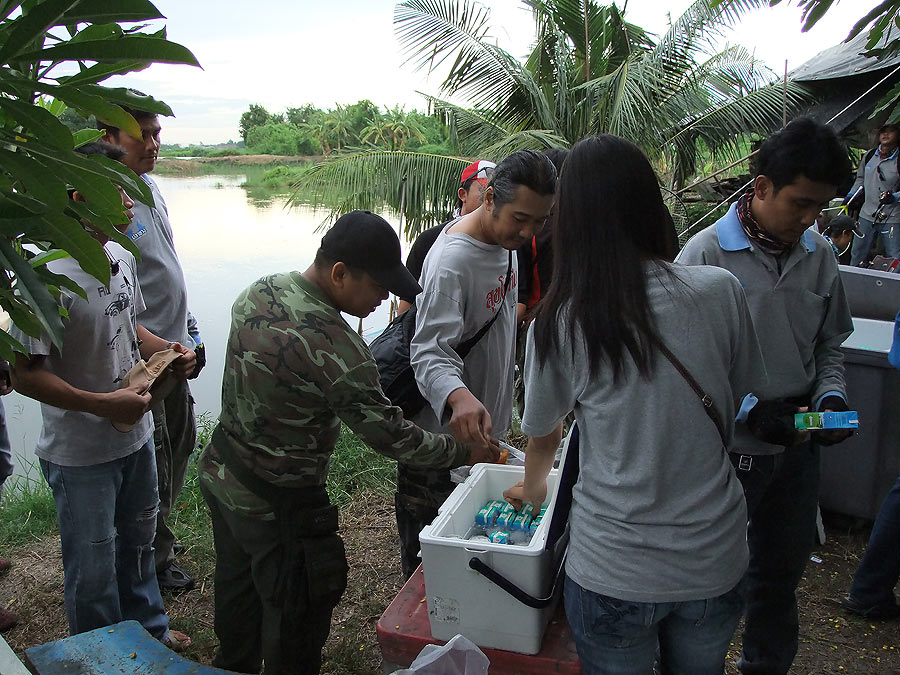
pixel 280 138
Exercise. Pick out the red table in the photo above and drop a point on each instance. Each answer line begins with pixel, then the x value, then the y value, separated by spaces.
pixel 403 630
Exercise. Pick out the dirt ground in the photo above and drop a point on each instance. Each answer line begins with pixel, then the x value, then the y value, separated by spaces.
pixel 831 641
pixel 187 165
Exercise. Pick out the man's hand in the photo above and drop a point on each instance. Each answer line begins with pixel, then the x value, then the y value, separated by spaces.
pixel 887 198
pixel 518 494
pixel 832 436
pixel 125 406
pixel 487 455
pixel 773 422
pixel 471 422
pixel 183 367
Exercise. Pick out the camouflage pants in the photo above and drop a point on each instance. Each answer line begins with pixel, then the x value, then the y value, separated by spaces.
pixel 272 605
pixel 419 494
pixel 174 435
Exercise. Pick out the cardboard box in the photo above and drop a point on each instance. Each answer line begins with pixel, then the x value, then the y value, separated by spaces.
pixel 463 600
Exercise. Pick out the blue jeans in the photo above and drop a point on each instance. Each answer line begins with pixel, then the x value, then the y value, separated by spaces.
pixel 879 570
pixel 890 236
pixel 107 519
pixel 618 637
pixel 782 493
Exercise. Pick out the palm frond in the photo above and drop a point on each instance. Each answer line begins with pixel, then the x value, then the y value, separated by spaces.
pixel 432 32
pixel 471 129
pixel 530 139
pixel 420 187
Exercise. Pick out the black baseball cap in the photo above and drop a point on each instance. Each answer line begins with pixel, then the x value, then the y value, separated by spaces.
pixel 366 241
pixel 843 223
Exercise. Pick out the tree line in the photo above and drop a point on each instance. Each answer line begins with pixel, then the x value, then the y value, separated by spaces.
pixel 308 130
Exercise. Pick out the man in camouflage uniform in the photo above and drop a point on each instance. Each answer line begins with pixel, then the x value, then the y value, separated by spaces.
pixel 294 369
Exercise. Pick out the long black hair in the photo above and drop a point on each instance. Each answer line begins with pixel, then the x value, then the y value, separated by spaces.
pixel 610 220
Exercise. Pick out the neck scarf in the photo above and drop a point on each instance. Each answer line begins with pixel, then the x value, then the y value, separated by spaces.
pixel 752 229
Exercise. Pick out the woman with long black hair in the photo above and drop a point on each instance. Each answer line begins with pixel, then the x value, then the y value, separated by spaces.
pixel 658 523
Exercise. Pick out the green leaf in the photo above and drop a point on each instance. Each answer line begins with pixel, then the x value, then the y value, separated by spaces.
pixel 87 98
pixel 60 281
pixel 45 257
pixel 101 71
pixel 32 25
pixel 126 48
pixel 34 292
pixel 99 11
pixel 125 97
pixel 113 172
pixel 9 345
pixel 39 122
pixel 34 178
pixel 69 235
pixel 85 136
pixel 100 31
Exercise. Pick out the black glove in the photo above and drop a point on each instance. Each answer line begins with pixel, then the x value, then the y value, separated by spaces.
pixel 773 422
pixel 200 351
pixel 887 198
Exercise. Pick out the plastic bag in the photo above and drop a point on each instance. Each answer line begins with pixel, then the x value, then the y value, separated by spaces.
pixel 460 656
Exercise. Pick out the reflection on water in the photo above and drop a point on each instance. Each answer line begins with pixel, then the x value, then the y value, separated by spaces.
pixel 227 237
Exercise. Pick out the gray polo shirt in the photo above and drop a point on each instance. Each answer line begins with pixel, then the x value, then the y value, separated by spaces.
pixel 800 313
pixel 658 514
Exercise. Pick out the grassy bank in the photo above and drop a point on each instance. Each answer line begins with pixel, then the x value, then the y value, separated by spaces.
pixel 28 513
pixel 265 172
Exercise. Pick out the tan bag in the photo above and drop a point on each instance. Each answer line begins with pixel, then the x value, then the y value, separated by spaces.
pixel 153 376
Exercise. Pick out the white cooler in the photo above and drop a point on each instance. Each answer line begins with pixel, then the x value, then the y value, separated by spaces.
pixel 463 600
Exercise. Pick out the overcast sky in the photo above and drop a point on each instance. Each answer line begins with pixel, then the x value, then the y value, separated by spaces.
pixel 282 53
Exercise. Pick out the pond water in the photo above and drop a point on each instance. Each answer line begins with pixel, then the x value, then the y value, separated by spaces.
pixel 227 237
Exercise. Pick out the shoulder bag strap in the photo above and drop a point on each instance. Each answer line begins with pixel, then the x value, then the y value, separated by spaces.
pixel 705 399
pixel 465 347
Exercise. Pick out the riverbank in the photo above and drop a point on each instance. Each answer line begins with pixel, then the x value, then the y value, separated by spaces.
pixel 266 171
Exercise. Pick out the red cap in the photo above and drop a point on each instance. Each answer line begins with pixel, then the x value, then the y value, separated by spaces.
pixel 480 171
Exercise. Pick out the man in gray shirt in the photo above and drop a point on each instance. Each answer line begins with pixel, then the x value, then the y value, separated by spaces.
pixel 469 276
pixel 167 315
pixel 797 302
pixel 879 214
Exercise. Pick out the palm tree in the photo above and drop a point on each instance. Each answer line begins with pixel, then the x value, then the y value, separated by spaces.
pixel 589 72
pixel 338 121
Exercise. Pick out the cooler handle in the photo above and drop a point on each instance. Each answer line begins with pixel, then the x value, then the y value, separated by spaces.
pixel 508 586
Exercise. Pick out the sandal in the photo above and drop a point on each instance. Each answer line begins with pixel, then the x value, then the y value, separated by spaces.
pixel 173 579
pixel 176 641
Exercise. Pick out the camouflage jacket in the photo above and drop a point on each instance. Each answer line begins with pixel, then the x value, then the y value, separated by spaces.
pixel 294 369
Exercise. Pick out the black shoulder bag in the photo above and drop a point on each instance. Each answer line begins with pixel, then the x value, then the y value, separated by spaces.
pixel 391 353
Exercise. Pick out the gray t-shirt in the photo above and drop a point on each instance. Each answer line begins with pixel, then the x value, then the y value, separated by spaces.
pixel 462 287
pixel 658 514
pixel 160 271
pixel 99 347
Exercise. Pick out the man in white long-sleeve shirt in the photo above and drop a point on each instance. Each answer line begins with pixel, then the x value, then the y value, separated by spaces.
pixel 469 277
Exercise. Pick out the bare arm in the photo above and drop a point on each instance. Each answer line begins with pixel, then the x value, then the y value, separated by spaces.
pixel 539 457
pixel 150 344
pixel 31 379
